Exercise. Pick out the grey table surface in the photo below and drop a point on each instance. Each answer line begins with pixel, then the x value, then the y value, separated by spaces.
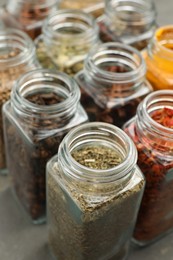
pixel 21 240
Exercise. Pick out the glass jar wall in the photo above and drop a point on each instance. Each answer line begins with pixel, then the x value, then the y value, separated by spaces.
pixel 159 58
pixel 132 22
pixel 113 83
pixel 67 37
pixel 152 132
pixel 94 191
pixel 17 56
pixel 44 106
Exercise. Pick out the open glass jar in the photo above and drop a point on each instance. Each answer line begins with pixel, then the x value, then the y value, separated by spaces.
pixel 67 38
pixel 132 22
pixel 44 106
pixel 94 7
pixel 93 184
pixel 17 56
pixel 159 58
pixel 152 132
pixel 27 15
pixel 113 83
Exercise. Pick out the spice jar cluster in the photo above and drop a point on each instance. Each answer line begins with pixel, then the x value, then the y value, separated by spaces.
pixel 91 70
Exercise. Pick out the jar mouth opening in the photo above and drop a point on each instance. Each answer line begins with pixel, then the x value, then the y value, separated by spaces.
pixel 137 12
pixel 154 102
pixel 65 24
pixel 98 133
pixel 34 90
pixel 115 62
pixel 16 48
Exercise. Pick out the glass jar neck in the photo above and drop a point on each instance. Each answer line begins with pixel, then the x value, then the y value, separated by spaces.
pixel 48 97
pixel 117 66
pixel 71 27
pixel 32 9
pixel 95 180
pixel 16 49
pixel 130 17
pixel 160 48
pixel 153 134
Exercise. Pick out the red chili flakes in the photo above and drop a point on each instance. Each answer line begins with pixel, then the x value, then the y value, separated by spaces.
pixel 164 117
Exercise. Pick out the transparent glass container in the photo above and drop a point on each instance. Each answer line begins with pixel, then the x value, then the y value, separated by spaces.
pixel 94 7
pixel 27 15
pixel 67 38
pixel 159 58
pixel 89 199
pixel 154 142
pixel 131 22
pixel 44 106
pixel 113 83
pixel 17 56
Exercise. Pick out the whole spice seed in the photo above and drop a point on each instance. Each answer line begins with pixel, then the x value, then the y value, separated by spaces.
pixel 89 227
pixel 29 149
pixel 154 220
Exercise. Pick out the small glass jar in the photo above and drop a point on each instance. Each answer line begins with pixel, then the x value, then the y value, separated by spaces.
pixel 113 83
pixel 17 56
pixel 44 106
pixel 94 7
pixel 152 132
pixel 67 37
pixel 131 22
pixel 159 58
pixel 93 184
pixel 27 15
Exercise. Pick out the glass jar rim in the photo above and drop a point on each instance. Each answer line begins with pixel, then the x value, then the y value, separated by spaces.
pixel 78 171
pixel 40 4
pixel 20 40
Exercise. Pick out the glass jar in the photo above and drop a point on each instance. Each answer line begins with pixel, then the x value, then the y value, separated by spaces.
pixel 17 56
pixel 132 22
pixel 159 58
pixel 44 106
pixel 27 15
pixel 93 184
pixel 113 83
pixel 152 132
pixel 67 37
pixel 94 7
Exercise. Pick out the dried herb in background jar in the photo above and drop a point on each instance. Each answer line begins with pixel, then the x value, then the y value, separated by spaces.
pixel 113 83
pixel 94 191
pixel 159 58
pixel 44 106
pixel 132 22
pixel 67 37
pixel 17 56
pixel 152 132
pixel 27 15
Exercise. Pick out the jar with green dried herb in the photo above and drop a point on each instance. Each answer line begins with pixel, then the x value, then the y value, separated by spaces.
pixel 93 184
pixel 27 15
pixel 17 56
pixel 44 106
pixel 152 132
pixel 113 83
pixel 67 38
pixel 132 22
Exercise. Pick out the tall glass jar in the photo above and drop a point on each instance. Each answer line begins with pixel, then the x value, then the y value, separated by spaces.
pixel 132 22
pixel 113 83
pixel 67 37
pixel 44 106
pixel 152 132
pixel 17 56
pixel 93 184
pixel 159 58
pixel 94 7
pixel 27 15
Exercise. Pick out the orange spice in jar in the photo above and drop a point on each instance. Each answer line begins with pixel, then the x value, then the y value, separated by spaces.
pixel 159 58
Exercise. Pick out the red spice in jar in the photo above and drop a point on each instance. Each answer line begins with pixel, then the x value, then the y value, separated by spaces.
pixel 164 117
